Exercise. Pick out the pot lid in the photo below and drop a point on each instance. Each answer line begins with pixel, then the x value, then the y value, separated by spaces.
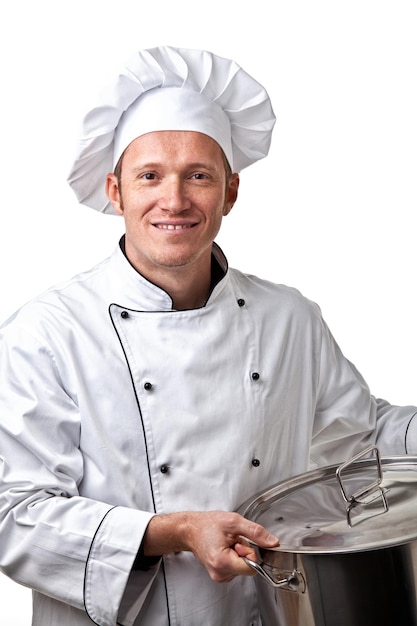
pixel 362 504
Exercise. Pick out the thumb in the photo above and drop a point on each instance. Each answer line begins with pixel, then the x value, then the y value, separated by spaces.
pixel 261 536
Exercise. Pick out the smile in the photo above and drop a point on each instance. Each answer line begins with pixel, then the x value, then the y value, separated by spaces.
pixel 174 226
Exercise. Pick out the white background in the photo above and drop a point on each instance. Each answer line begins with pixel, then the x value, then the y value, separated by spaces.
pixel 330 211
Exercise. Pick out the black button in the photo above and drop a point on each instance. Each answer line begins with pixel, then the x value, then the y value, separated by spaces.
pixel 147 386
pixel 164 469
pixel 241 302
pixel 124 314
pixel 255 376
pixel 256 462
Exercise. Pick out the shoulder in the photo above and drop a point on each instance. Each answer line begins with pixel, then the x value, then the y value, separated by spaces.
pixel 77 292
pixel 265 294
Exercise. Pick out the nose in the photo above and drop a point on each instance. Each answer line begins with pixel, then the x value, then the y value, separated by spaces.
pixel 173 197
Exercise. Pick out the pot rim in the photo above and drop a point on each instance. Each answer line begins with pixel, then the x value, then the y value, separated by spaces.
pixel 310 514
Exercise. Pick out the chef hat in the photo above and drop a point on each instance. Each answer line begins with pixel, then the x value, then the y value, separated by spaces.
pixel 169 88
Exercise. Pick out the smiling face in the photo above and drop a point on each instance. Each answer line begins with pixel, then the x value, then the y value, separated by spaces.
pixel 173 193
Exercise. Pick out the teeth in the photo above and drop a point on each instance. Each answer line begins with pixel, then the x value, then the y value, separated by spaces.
pixel 174 226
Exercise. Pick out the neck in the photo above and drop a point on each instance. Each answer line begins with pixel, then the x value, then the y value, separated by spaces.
pixel 189 286
pixel 188 294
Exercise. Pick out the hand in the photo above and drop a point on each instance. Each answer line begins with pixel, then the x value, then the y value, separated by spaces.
pixel 216 538
pixel 218 543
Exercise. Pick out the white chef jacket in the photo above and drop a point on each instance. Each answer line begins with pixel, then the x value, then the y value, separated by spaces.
pixel 115 407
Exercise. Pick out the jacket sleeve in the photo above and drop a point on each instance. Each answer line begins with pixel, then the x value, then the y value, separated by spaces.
pixel 75 549
pixel 397 428
pixel 348 418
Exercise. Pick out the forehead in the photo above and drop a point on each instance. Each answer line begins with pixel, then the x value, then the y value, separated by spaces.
pixel 170 143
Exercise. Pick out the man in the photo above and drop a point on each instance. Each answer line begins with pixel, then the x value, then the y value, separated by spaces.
pixel 144 400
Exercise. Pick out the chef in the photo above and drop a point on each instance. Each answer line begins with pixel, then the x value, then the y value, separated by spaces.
pixel 144 400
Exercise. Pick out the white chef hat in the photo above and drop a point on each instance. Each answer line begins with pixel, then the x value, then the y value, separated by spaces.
pixel 170 88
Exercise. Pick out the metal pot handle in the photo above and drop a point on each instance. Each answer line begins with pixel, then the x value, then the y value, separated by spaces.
pixel 291 580
pixel 367 494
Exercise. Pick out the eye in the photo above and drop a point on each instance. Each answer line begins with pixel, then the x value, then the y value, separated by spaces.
pixel 148 176
pixel 199 176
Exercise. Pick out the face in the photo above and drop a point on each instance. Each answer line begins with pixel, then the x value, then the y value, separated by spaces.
pixel 173 193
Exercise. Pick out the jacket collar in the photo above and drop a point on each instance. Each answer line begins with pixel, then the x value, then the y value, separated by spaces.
pixel 140 293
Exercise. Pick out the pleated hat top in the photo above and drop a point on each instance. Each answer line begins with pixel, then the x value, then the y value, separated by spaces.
pixel 168 88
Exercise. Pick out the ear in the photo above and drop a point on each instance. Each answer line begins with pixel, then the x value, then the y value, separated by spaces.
pixel 113 193
pixel 231 193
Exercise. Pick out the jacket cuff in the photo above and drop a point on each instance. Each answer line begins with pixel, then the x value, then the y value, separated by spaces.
pixel 411 435
pixel 113 551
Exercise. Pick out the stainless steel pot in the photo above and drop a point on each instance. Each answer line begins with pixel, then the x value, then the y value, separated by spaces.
pixel 348 545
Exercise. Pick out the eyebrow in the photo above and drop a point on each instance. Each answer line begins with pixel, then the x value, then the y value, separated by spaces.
pixel 152 165
pixel 146 166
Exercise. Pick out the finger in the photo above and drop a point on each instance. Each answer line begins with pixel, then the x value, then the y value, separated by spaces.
pixel 245 550
pixel 260 536
pixel 239 565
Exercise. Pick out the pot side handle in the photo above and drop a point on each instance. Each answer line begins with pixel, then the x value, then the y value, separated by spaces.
pixel 290 580
pixel 286 579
